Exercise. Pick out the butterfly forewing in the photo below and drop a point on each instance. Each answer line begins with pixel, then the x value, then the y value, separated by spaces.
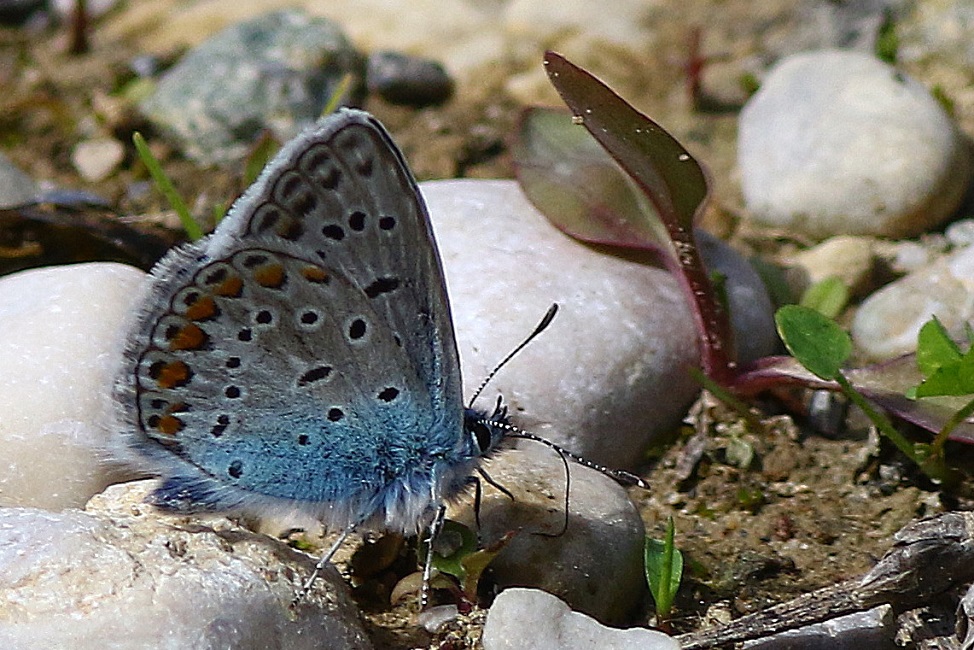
pixel 305 351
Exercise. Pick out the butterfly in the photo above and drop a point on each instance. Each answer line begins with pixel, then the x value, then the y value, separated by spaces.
pixel 302 357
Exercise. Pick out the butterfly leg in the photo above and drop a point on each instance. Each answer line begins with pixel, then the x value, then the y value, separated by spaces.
pixel 323 561
pixel 435 529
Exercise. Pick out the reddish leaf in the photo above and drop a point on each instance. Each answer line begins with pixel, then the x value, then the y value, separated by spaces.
pixel 671 181
pixel 568 175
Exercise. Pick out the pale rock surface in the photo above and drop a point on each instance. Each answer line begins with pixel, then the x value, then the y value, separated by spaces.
pixel 121 576
pixel 621 341
pixel 887 323
pixel 839 142
pixel 530 618
pixel 98 158
pixel 58 331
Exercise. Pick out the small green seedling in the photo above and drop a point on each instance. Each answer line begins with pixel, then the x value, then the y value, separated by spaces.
pixel 947 371
pixel 822 347
pixel 456 554
pixel 828 296
pixel 159 177
pixel 663 564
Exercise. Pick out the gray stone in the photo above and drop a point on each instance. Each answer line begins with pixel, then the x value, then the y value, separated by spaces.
pixel 841 143
pixel 16 187
pixel 529 618
pixel 596 565
pixel 751 311
pixel 274 72
pixel 123 576
pixel 407 80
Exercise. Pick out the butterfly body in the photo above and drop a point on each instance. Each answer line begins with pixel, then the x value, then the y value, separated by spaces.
pixel 302 357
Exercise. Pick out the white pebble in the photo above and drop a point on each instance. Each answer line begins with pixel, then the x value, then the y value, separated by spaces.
pixel 838 142
pixel 529 618
pixel 97 159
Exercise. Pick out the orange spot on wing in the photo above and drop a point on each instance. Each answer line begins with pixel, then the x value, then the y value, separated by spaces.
pixel 232 287
pixel 314 274
pixel 189 337
pixel 172 374
pixel 202 308
pixel 169 425
pixel 270 275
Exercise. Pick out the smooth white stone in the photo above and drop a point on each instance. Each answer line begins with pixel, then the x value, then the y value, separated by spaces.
pixel 610 373
pixel 839 142
pixel 59 328
pixel 887 323
pixel 530 618
pixel 123 576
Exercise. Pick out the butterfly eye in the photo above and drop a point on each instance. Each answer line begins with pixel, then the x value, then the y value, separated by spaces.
pixel 483 435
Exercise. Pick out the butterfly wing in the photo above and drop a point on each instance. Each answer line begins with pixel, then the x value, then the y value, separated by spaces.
pixel 304 353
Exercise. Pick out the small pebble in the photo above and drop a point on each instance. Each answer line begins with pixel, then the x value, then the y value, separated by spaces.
pixel 887 322
pixel 16 187
pixel 608 584
pixel 97 159
pixel 407 80
pixel 530 618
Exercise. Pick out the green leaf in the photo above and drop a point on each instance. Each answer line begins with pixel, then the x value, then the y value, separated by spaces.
pixel 828 297
pixel 935 348
pixel 953 379
pixel 453 544
pixel 816 341
pixel 663 564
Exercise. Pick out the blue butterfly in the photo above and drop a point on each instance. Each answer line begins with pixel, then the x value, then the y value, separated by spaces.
pixel 302 357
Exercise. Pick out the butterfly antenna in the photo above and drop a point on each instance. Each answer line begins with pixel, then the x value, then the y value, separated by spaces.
pixel 620 476
pixel 542 326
